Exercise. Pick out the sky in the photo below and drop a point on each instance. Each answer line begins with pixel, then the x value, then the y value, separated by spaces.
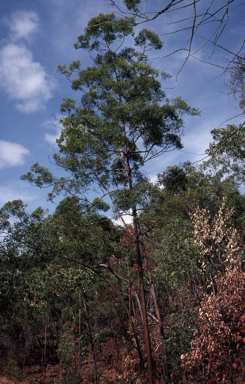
pixel 37 36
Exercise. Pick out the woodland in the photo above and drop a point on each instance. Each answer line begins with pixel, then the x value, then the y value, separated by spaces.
pixel 86 298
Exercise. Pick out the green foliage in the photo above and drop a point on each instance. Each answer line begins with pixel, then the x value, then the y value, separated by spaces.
pixel 123 119
pixel 106 27
pixel 237 80
pixel 68 349
pixel 39 181
pixel 227 151
pixel 13 371
pixel 132 4
pixel 167 216
pixel 147 38
pixel 68 353
pixel 179 340
pixel 173 179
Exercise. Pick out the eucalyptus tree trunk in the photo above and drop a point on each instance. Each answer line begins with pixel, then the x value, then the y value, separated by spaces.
pixel 142 295
pixel 140 272
pixel 160 324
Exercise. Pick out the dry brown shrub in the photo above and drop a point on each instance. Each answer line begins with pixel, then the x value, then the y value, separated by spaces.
pixel 218 347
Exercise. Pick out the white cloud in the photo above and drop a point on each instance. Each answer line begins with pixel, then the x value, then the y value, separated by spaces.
pixel 51 139
pixel 153 179
pixel 12 154
pixel 127 219
pixel 56 127
pixel 23 79
pixel 23 24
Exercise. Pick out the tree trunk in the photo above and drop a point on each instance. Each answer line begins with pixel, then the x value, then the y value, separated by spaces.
pixel 143 306
pixel 139 263
pixel 160 325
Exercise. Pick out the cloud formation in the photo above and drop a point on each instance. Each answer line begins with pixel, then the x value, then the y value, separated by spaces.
pixel 127 219
pixel 51 139
pixel 23 79
pixel 23 24
pixel 12 154
pixel 56 127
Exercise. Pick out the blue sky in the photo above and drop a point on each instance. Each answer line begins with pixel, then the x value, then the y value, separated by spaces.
pixel 37 36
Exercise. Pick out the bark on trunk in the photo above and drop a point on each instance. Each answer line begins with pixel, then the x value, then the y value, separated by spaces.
pixel 140 267
pixel 160 325
pixel 143 306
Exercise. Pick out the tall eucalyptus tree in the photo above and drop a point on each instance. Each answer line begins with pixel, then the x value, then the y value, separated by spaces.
pixel 123 120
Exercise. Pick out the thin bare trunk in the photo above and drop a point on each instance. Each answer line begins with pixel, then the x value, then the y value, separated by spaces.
pixel 160 325
pixel 121 301
pixel 55 329
pixel 143 306
pixel 140 267
pixel 139 305
pixel 131 323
